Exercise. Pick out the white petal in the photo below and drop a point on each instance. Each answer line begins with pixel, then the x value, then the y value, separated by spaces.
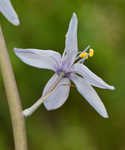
pixel 92 78
pixel 59 96
pixel 71 36
pixel 71 47
pixel 46 59
pixel 8 11
pixel 90 95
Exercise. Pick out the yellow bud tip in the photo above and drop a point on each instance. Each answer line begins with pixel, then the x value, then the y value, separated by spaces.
pixel 91 52
pixel 82 55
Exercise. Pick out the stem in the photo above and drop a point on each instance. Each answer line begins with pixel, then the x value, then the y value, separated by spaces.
pixel 18 123
pixel 29 111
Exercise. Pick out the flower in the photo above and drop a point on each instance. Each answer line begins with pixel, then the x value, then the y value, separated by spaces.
pixel 8 11
pixel 67 68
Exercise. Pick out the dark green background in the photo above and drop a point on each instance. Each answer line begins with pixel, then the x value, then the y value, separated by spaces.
pixel 76 125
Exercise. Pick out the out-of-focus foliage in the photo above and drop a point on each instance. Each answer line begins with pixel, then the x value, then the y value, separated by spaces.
pixel 76 125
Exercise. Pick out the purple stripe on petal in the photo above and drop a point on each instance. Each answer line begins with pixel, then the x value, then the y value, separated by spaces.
pixel 89 94
pixel 43 59
pixel 92 78
pixel 71 46
pixel 71 36
pixel 59 96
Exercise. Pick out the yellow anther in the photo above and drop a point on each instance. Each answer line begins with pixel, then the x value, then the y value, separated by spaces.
pixel 91 52
pixel 82 55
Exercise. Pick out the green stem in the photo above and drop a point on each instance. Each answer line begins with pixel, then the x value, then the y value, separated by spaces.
pixel 18 123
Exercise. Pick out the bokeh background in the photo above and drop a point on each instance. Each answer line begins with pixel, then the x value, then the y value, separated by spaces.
pixel 76 125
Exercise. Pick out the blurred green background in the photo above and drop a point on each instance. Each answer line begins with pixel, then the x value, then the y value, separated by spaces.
pixel 76 125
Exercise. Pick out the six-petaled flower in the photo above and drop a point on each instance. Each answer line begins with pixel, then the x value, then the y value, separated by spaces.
pixel 68 67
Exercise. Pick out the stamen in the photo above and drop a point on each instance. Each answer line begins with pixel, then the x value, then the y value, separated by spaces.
pixel 83 58
pixel 86 48
pixel 85 55
pixel 91 52
pixel 82 55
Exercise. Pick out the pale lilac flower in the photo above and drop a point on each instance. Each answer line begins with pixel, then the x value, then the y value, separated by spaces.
pixel 71 67
pixel 8 11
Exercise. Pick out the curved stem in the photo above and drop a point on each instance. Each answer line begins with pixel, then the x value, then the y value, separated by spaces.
pixel 29 111
pixel 18 123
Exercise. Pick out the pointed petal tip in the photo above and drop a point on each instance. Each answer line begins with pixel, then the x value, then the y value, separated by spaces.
pixel 105 115
pixel 74 15
pixel 112 88
pixel 16 22
pixel 90 95
pixel 103 112
pixel 15 50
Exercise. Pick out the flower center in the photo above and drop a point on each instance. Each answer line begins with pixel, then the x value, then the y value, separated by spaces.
pixel 66 68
